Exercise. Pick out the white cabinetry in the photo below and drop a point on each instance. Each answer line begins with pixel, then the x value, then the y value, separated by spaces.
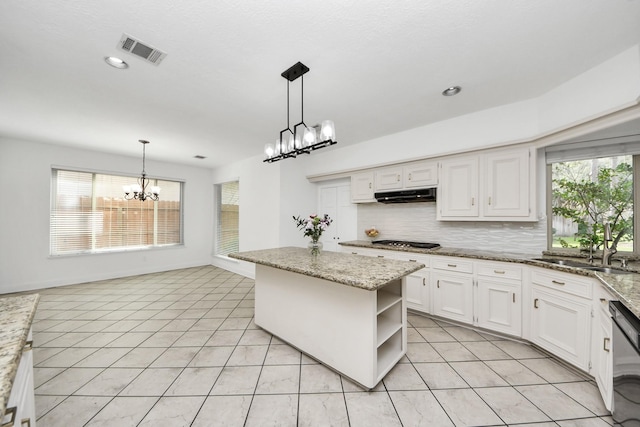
pixel 335 200
pixel 388 179
pixel 507 184
pixel 421 174
pixel 497 185
pixel 458 192
pixel 601 356
pixel 21 404
pixel 499 297
pixel 561 315
pixel 362 187
pixel 453 290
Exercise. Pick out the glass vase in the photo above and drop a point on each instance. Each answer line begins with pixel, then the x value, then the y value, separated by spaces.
pixel 315 247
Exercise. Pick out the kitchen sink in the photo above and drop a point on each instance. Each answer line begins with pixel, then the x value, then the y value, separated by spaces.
pixel 584 266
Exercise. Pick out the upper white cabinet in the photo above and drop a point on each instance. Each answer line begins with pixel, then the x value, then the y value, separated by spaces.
pixel 362 187
pixel 411 175
pixel 507 184
pixel 420 174
pixel 388 179
pixel 494 186
pixel 458 192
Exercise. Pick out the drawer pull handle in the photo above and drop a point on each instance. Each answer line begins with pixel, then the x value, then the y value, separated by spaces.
pixel 489 200
pixel 603 300
pixel 354 253
pixel 535 303
pixel 380 256
pixel 10 411
pixel 557 282
pixel 398 178
pixel 424 281
pixel 473 201
pixel 409 177
pixel 513 296
pixel 413 260
pixel 369 185
pixel 605 345
pixel 499 271
pixel 452 265
pixel 438 283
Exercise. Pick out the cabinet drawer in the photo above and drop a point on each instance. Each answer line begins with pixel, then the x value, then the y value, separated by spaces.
pixel 413 257
pixel 602 298
pixel 563 282
pixel 452 264
pixel 505 271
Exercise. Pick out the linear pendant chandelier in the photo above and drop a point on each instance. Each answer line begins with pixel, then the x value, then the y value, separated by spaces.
pixel 302 139
pixel 139 190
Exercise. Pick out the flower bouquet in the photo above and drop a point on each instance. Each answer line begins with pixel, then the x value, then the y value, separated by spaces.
pixel 313 226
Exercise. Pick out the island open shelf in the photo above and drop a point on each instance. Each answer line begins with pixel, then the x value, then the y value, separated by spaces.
pixel 357 328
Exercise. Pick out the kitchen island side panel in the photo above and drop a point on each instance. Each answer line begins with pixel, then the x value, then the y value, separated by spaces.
pixel 333 323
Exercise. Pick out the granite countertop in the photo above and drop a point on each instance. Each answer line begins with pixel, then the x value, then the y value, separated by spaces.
pixel 351 270
pixel 626 287
pixel 16 315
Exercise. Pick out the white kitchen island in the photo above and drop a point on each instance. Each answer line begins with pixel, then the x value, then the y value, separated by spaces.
pixel 346 311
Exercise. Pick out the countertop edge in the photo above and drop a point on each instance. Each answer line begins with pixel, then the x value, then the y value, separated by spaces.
pixel 14 347
pixel 371 284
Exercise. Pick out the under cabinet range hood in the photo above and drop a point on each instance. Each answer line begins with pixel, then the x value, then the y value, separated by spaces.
pixel 407 196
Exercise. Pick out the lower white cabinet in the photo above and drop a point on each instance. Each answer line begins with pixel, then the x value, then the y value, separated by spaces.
pixel 561 323
pixel 498 302
pixel 601 350
pixel 418 291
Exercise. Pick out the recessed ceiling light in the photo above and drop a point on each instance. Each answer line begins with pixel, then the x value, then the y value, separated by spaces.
pixel 453 90
pixel 198 156
pixel 116 62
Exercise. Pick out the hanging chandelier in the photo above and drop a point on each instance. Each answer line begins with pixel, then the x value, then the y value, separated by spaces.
pixel 302 139
pixel 139 191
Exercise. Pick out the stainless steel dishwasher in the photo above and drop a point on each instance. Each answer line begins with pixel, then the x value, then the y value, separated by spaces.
pixel 626 366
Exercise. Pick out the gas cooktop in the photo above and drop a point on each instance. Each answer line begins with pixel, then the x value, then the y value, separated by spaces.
pixel 403 244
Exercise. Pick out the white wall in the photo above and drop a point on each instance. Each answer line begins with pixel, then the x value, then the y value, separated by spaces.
pixel 612 85
pixel 25 176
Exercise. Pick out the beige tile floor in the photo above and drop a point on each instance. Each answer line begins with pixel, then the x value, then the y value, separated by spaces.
pixel 180 349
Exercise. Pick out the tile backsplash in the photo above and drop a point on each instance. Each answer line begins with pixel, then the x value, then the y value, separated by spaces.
pixel 417 222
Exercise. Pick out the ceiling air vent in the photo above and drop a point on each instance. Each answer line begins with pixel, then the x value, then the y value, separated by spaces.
pixel 140 49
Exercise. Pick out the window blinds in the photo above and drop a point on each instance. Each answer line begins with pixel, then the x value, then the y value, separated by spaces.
pixel 89 214
pixel 228 217
pixel 610 147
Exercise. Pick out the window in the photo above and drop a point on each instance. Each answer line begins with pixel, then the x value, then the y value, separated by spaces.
pixel 588 192
pixel 89 214
pixel 228 217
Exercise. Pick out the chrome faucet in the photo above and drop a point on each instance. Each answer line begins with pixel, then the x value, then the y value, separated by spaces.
pixel 607 252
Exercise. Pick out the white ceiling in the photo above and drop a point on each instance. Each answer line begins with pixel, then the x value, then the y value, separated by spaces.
pixel 377 66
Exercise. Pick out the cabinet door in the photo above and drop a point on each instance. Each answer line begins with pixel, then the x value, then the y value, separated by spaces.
pixel 424 174
pixel 499 306
pixel 458 193
pixel 507 184
pixel 453 296
pixel 560 323
pixel 418 291
pixel 388 179
pixel 602 357
pixel 362 187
